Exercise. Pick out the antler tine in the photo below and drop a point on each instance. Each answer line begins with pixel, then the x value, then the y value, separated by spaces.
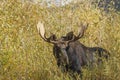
pixel 41 30
pixel 82 30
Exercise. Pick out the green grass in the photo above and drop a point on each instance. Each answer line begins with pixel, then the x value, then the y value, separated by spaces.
pixel 25 56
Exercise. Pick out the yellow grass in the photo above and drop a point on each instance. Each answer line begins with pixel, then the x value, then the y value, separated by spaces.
pixel 25 56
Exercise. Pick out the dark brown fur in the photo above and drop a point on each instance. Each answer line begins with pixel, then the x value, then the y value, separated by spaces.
pixel 78 54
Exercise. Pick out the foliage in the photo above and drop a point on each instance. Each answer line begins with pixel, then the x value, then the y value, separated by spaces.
pixel 25 56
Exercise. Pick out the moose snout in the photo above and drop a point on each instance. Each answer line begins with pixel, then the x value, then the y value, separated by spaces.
pixel 65 56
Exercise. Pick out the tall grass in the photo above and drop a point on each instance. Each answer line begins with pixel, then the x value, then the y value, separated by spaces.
pixel 25 56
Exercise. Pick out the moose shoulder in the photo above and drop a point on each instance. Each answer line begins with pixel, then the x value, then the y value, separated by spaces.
pixel 70 53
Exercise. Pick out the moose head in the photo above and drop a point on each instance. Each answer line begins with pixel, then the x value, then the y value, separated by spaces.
pixel 64 41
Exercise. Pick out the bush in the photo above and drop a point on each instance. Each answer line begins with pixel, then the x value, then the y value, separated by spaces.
pixel 25 56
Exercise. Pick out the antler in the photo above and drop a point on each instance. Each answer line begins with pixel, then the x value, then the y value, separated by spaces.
pixel 41 30
pixel 81 33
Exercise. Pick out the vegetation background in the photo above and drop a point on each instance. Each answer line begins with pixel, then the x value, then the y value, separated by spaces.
pixel 25 56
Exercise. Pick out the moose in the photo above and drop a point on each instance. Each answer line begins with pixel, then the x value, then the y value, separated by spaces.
pixel 70 53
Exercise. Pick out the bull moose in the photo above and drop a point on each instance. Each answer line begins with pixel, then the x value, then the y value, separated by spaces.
pixel 70 53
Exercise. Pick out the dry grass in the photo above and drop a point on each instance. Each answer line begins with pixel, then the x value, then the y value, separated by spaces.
pixel 25 56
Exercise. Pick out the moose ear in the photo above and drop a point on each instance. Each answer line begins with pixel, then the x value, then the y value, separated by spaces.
pixel 69 35
pixel 52 37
